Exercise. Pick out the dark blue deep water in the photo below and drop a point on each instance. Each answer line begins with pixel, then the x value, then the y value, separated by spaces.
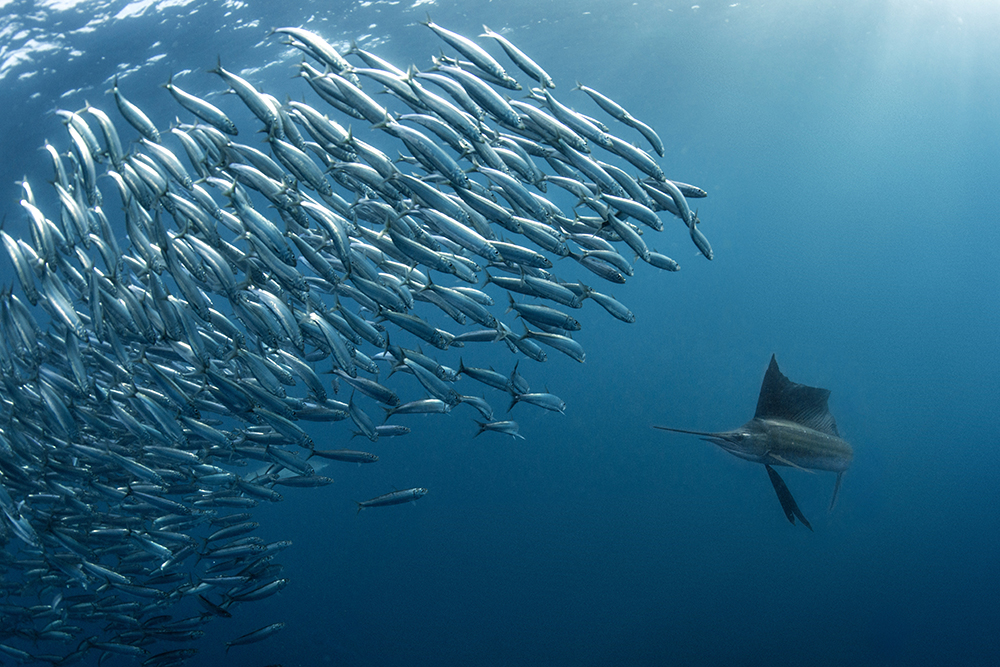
pixel 851 151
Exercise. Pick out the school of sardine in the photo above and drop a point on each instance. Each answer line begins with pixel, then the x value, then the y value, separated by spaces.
pixel 156 387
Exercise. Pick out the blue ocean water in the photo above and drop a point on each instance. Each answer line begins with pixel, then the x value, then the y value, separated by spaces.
pixel 851 152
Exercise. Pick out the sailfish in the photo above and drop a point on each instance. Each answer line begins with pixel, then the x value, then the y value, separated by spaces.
pixel 792 427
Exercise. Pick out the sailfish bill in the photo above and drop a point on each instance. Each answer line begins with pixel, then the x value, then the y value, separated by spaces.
pixel 791 427
pixel 707 434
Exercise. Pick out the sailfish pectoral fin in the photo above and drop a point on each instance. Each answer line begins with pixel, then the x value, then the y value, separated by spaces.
pixel 785 498
pixel 783 461
pixel 836 489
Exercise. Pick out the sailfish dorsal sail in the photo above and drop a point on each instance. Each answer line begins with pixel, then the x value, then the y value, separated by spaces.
pixel 780 398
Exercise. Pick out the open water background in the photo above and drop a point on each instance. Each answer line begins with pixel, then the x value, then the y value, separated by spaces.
pixel 851 151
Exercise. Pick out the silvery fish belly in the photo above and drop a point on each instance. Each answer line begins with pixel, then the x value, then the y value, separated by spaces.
pixel 156 387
